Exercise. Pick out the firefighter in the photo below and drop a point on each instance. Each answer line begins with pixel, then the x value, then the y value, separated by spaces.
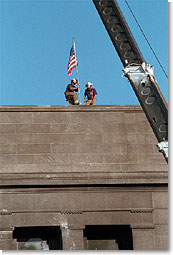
pixel 70 94
pixel 90 93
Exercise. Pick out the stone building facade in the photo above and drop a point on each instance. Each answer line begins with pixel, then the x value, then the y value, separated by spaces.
pixel 81 178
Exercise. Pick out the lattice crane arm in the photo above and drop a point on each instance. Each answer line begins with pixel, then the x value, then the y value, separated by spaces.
pixel 137 70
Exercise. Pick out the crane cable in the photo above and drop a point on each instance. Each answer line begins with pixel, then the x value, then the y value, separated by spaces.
pixel 146 39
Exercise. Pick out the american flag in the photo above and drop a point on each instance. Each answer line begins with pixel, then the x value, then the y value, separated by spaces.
pixel 72 60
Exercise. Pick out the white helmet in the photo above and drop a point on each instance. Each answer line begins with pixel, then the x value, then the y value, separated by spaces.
pixel 74 80
pixel 88 85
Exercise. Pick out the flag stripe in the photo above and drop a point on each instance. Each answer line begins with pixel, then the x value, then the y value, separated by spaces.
pixel 72 61
pixel 72 66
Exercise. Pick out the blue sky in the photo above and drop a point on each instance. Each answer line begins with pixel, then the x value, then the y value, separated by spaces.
pixel 36 37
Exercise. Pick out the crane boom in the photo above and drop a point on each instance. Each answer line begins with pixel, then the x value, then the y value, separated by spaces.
pixel 137 70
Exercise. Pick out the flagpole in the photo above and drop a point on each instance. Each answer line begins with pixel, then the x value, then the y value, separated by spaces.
pixel 77 72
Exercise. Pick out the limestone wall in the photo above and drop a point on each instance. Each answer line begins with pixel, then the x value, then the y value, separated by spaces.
pixel 80 166
pixel 108 144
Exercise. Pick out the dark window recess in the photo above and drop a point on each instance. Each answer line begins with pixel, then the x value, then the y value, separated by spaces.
pixel 121 236
pixel 38 238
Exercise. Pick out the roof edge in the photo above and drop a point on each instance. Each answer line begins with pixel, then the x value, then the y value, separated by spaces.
pixel 70 108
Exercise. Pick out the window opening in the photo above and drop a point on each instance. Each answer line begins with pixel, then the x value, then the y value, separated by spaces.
pixel 38 238
pixel 108 237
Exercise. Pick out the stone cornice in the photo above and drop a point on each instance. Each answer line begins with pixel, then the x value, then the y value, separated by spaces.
pixel 73 108
pixel 84 178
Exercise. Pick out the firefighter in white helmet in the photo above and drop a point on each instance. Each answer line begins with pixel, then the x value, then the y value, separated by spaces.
pixel 90 94
pixel 70 94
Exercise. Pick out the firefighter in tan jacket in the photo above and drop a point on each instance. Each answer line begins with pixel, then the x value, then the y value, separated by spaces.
pixel 70 94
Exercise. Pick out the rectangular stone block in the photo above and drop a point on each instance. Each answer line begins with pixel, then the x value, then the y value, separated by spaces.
pixel 85 157
pixel 84 139
pixel 25 168
pixel 111 167
pixel 16 138
pixel 139 139
pixel 115 138
pixel 49 117
pixel 83 117
pixel 119 158
pixel 112 116
pixel 33 148
pixel 72 239
pixel 161 230
pixel 110 218
pixel 59 128
pixel 161 216
pixel 110 127
pixel 127 128
pixel 143 239
pixel 161 167
pixel 70 201
pixel 38 219
pixel 6 244
pixel 137 167
pixel 63 201
pixel 115 148
pixel 5 221
pixel 94 201
pixel 32 128
pixel 49 138
pixel 135 217
pixel 75 128
pixel 5 203
pixel 142 148
pixel 140 128
pixel 161 243
pixel 34 168
pixel 55 201
pixel 147 158
pixel 8 159
pixel 52 159
pixel 7 128
pixel 63 148
pixel 82 167
pixel 117 200
pixel 129 117
pixel 47 201
pixel 8 149
pixel 141 199
pixel 23 202
pixel 96 167
pixel 25 159
pixel 93 128
pixel 76 220
pixel 160 200
pixel 147 218
pixel 6 234
pixel 64 168
pixel 15 117
pixel 74 201
pixel 87 148
pixel 132 138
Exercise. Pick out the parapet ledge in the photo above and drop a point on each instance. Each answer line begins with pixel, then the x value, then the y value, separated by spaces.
pixel 70 108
